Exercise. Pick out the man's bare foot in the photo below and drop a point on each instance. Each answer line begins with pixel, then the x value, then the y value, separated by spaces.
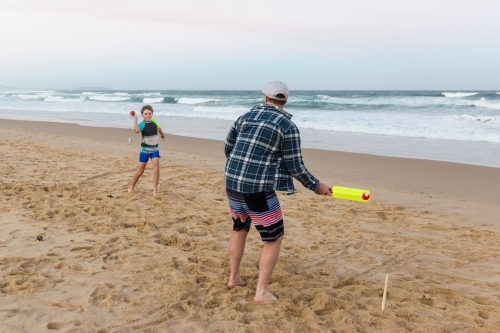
pixel 236 283
pixel 265 297
pixel 130 189
pixel 155 193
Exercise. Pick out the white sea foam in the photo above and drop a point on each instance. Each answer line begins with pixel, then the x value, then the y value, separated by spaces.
pixel 151 94
pixel 62 99
pixel 190 100
pixel 413 101
pixel 483 103
pixel 477 118
pixel 476 128
pixel 231 111
pixel 104 98
pixel 458 94
pixel 121 94
pixel 37 96
pixel 151 100
pixel 211 112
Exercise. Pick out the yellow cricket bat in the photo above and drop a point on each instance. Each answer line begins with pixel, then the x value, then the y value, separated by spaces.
pixel 347 193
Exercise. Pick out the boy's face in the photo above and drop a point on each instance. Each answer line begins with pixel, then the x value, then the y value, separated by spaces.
pixel 147 115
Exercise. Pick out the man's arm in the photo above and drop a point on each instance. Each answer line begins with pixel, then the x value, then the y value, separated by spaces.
pixel 230 140
pixel 292 156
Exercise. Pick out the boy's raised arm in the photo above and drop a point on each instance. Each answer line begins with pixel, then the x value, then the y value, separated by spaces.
pixel 136 125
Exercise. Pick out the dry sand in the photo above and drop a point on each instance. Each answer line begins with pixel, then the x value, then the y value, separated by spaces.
pixel 117 262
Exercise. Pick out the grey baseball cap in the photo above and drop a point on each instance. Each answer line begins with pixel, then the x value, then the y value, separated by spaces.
pixel 276 88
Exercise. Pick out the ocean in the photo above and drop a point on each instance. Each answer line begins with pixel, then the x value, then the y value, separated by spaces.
pixel 453 126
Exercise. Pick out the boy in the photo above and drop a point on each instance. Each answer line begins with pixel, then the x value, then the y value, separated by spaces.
pixel 149 128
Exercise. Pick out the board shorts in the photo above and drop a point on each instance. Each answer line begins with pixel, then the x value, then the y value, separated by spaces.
pixel 144 157
pixel 261 208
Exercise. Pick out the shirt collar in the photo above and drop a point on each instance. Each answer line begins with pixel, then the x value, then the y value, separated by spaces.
pixel 273 107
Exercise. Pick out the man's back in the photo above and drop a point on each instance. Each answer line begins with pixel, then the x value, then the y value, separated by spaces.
pixel 262 129
pixel 263 151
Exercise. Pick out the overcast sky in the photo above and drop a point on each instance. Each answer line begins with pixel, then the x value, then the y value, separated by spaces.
pixel 222 44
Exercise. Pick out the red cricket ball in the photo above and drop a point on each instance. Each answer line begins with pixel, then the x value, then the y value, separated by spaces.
pixel 365 196
pixel 132 113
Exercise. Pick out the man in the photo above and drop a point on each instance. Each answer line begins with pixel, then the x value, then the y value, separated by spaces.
pixel 263 154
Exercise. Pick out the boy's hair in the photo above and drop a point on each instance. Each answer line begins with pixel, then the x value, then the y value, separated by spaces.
pixel 147 107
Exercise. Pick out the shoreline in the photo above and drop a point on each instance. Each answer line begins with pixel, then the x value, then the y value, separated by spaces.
pixel 464 181
pixel 454 151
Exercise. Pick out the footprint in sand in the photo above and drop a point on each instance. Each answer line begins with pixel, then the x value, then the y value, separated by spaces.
pixel 55 326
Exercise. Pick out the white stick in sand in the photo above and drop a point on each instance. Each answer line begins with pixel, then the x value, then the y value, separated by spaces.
pixel 385 291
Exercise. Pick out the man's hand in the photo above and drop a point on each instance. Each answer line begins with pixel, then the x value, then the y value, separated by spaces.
pixel 323 189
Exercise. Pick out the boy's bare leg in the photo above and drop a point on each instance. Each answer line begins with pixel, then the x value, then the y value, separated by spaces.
pixel 137 174
pixel 237 242
pixel 268 259
pixel 156 174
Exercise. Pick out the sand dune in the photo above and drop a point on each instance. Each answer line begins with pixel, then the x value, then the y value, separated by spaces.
pixel 111 261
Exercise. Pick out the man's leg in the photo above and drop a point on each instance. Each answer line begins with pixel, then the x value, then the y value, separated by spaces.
pixel 237 243
pixel 268 259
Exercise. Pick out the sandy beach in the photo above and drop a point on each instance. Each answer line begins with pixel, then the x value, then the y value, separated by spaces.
pixel 112 261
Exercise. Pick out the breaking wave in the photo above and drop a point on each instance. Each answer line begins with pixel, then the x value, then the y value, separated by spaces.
pixel 458 94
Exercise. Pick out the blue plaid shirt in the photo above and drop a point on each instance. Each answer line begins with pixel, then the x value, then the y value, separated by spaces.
pixel 263 153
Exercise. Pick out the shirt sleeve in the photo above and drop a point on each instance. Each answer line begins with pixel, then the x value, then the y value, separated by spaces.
pixel 156 123
pixel 141 126
pixel 230 140
pixel 292 156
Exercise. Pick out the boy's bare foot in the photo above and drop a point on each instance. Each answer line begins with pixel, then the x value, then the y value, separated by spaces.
pixel 155 190
pixel 265 297
pixel 236 283
pixel 130 189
